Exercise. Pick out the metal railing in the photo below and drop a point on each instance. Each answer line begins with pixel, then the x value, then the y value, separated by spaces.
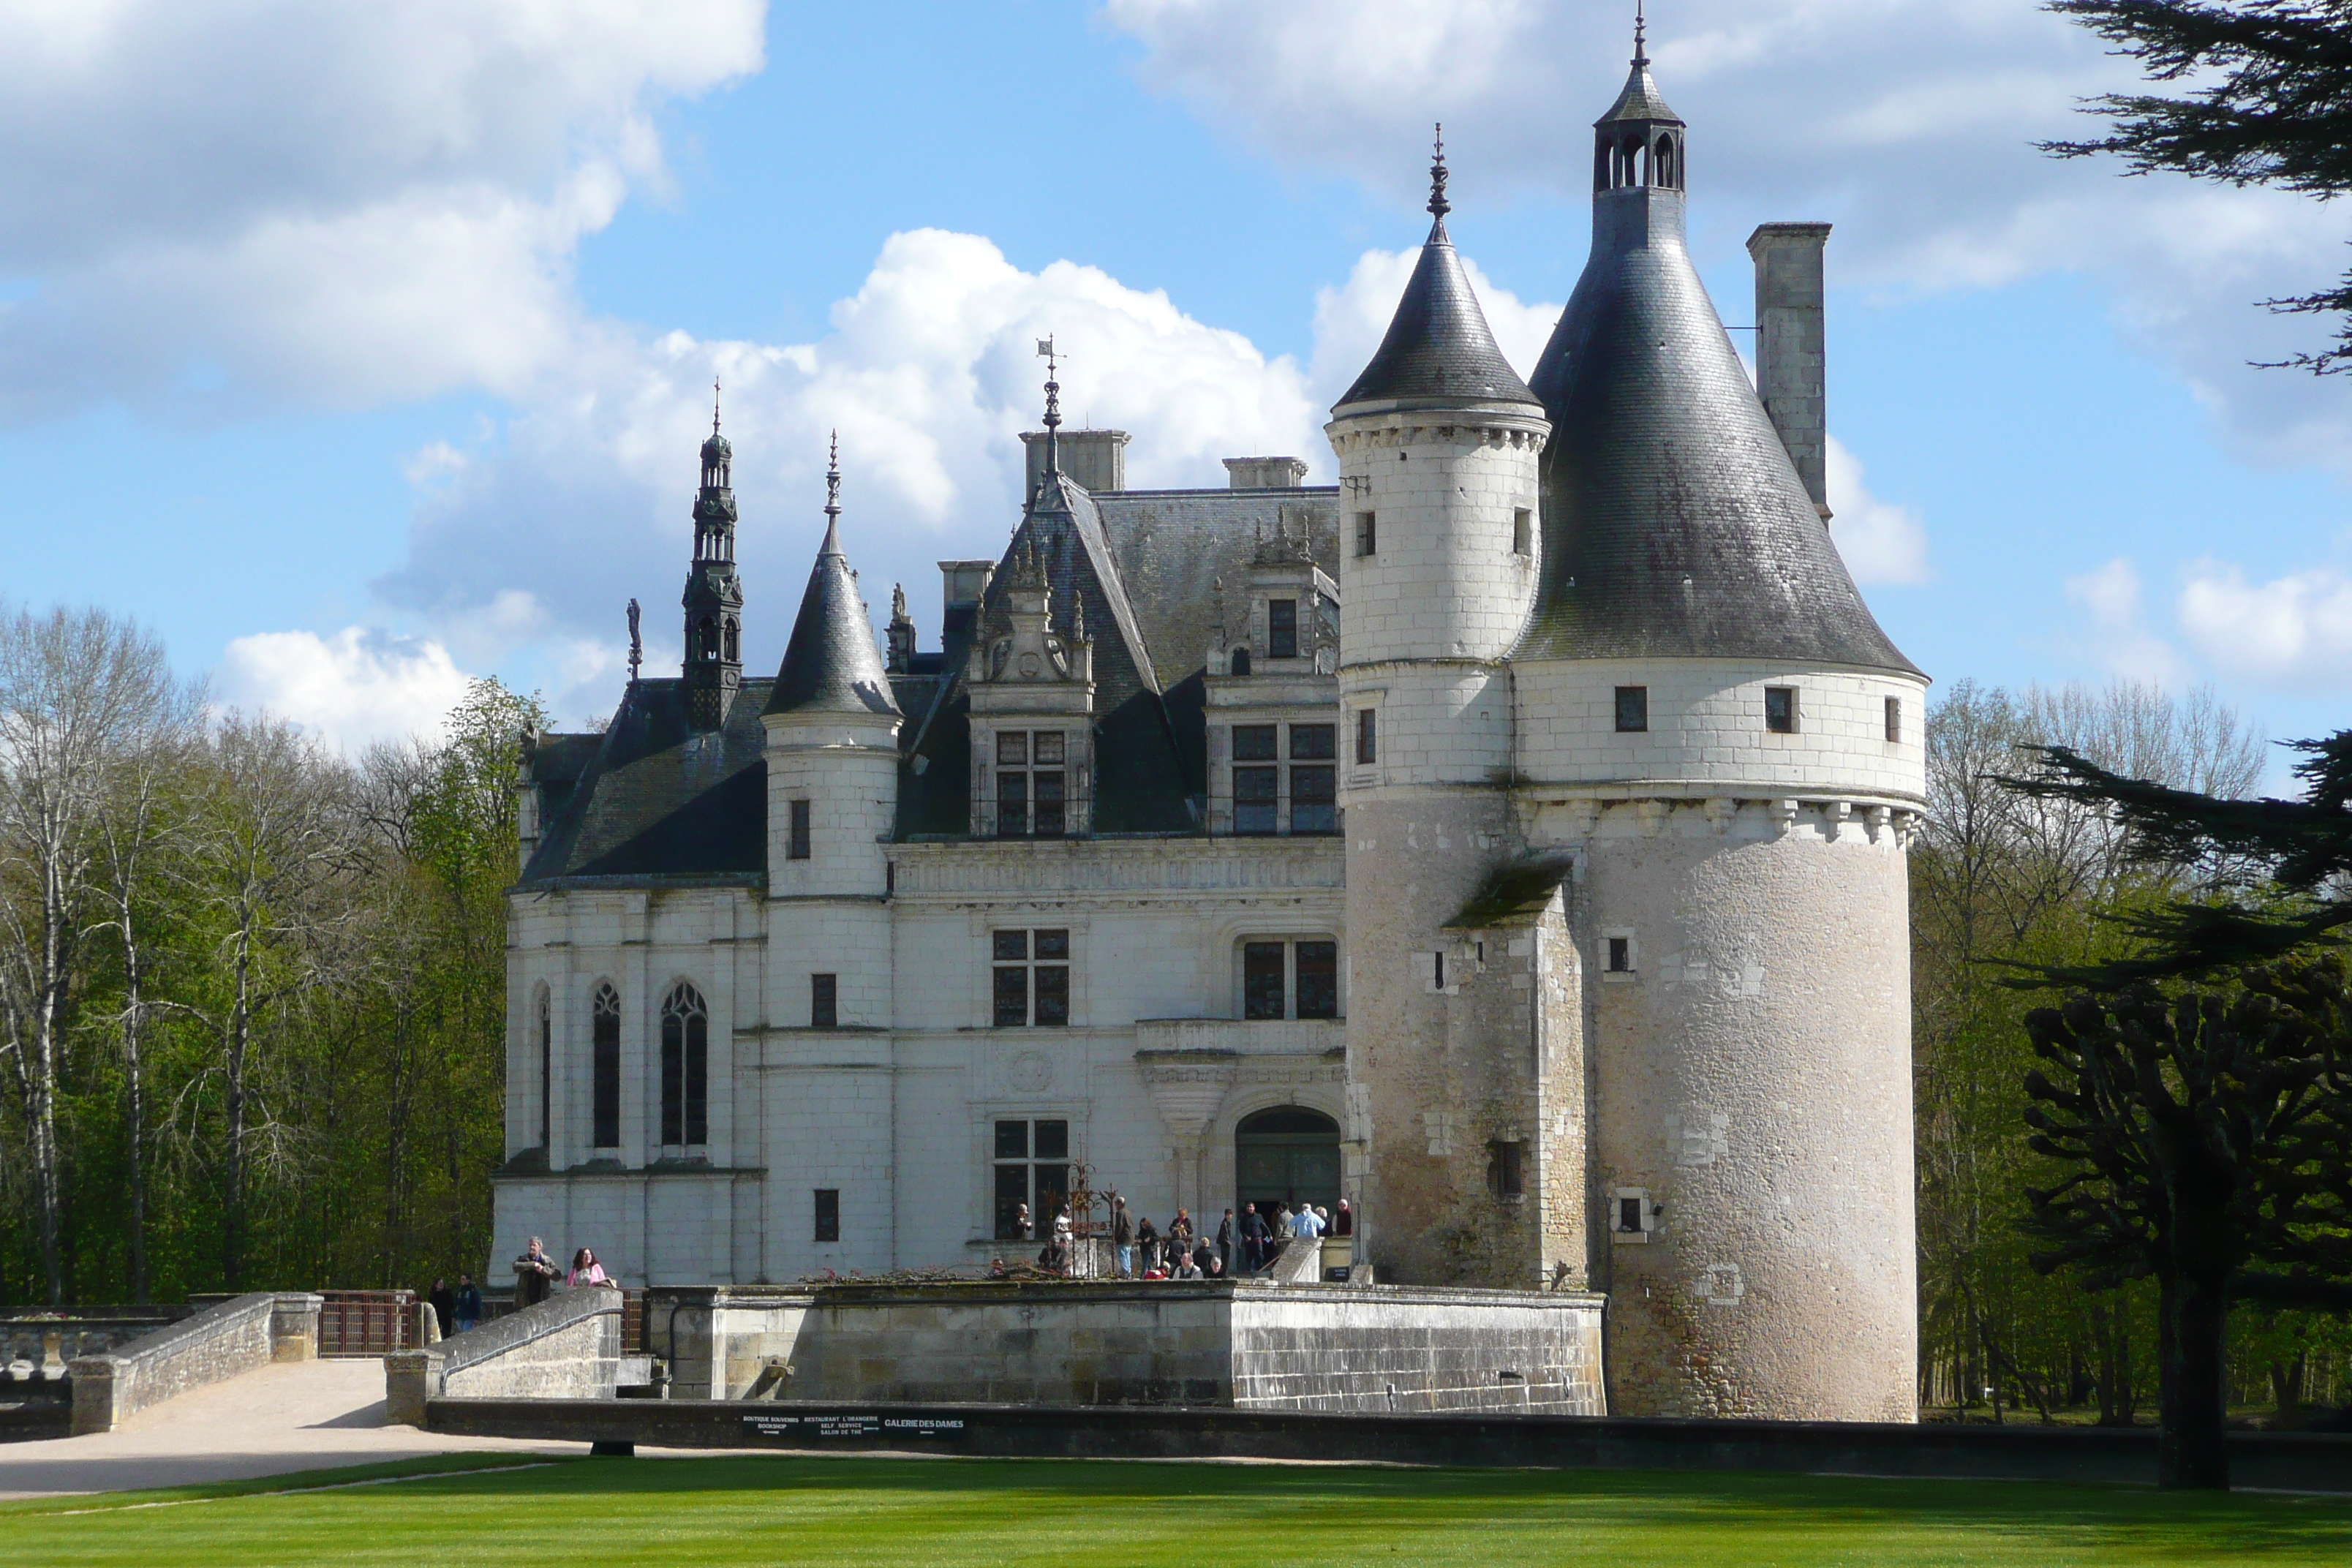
pixel 366 1323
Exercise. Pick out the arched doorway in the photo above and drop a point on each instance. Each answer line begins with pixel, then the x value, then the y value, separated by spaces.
pixel 1286 1154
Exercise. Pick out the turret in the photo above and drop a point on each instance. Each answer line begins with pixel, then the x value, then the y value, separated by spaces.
pixel 714 596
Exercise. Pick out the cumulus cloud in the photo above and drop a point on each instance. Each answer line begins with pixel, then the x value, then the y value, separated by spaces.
pixel 1882 541
pixel 350 688
pixel 1911 123
pixel 2293 631
pixel 2120 641
pixel 539 532
pixel 338 203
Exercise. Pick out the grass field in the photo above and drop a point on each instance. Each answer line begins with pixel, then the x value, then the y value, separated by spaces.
pixel 950 1512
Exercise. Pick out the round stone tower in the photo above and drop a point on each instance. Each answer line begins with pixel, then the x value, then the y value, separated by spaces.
pixel 1716 736
pixel 1438 443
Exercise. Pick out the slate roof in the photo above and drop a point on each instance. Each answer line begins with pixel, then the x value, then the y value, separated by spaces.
pixel 831 665
pixel 1439 349
pixel 651 800
pixel 1639 100
pixel 1674 523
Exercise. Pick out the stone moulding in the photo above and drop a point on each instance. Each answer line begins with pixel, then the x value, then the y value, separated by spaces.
pixel 567 1347
pixel 236 1336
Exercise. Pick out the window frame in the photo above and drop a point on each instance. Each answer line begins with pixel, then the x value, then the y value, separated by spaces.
pixel 1032 789
pixel 1043 965
pixel 824 1001
pixel 1638 698
pixel 798 834
pixel 1028 1161
pixel 1790 721
pixel 1282 629
pixel 824 1221
pixel 604 1066
pixel 1367 535
pixel 1368 737
pixel 1523 530
pixel 1895 720
pixel 685 1068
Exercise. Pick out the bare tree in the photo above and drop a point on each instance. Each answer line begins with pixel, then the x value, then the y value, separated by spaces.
pixel 76 689
pixel 142 814
pixel 269 858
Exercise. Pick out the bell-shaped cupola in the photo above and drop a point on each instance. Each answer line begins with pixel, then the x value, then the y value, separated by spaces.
pixel 831 665
pixel 1674 523
pixel 714 594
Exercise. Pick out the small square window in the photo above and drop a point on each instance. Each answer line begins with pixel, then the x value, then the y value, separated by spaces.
pixel 1053 1140
pixel 1046 748
pixel 1312 743
pixel 828 1214
pixel 1628 1214
pixel 1012 945
pixel 798 848
pixel 1253 743
pixel 1367 533
pixel 1053 944
pixel 1621 956
pixel 1523 532
pixel 1780 710
pixel 1282 629
pixel 1013 1139
pixel 1894 718
pixel 1366 737
pixel 824 1011
pixel 1633 710
pixel 1011 748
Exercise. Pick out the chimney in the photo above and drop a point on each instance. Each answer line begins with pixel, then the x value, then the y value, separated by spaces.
pixel 962 585
pixel 1791 368
pixel 1265 473
pixel 1096 459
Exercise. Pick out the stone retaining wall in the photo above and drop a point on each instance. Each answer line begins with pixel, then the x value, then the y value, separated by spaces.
pixel 567 1347
pixel 2296 1461
pixel 1249 1345
pixel 218 1342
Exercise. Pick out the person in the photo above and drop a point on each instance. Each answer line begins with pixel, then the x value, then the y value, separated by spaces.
pixel 1122 1236
pixel 1253 1239
pixel 470 1304
pixel 445 1306
pixel 535 1274
pixel 1203 1255
pixel 1225 1240
pixel 586 1271
pixel 1344 1222
pixel 1147 1242
pixel 1185 1268
pixel 1214 1268
pixel 1179 1230
pixel 1306 1225
pixel 1023 1230
pixel 1056 1254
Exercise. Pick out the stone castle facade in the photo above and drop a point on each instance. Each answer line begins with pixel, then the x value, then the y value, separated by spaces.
pixel 1509 838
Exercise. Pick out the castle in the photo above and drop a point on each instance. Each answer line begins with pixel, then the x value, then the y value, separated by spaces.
pixel 1510 839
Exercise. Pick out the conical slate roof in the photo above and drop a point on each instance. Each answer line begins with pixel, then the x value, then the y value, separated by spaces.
pixel 831 665
pixel 1674 524
pixel 1439 349
pixel 1640 101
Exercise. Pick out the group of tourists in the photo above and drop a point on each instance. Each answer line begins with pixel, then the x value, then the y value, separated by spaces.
pixel 1246 1246
pixel 536 1273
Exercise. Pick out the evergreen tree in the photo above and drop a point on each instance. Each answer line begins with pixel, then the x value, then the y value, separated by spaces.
pixel 2278 112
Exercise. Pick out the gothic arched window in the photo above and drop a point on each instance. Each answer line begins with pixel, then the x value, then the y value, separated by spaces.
pixel 605 1017
pixel 546 1070
pixel 709 638
pixel 686 1067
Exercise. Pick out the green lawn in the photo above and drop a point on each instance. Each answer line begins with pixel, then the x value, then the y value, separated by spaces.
pixel 854 1510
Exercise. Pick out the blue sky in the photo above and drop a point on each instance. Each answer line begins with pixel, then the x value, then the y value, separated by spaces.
pixel 357 353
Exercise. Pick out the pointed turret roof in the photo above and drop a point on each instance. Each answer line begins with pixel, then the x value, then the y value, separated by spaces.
pixel 831 665
pixel 1439 350
pixel 1674 524
pixel 1641 101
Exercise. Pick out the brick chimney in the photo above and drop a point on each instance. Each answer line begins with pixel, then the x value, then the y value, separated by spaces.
pixel 1790 365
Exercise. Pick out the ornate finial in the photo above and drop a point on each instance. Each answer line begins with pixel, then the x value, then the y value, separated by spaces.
pixel 714 405
pixel 636 647
pixel 1438 205
pixel 1641 40
pixel 1053 403
pixel 832 481
pixel 1078 619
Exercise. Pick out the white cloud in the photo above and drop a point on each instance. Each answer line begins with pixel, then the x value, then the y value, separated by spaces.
pixel 543 530
pixel 2293 631
pixel 1882 541
pixel 2121 642
pixel 1911 123
pixel 350 688
pixel 338 202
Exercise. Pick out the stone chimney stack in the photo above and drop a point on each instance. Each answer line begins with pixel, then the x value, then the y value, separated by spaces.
pixel 1265 473
pixel 1790 368
pixel 1096 459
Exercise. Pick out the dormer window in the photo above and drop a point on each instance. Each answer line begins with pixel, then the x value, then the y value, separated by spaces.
pixel 1258 790
pixel 1282 629
pixel 1031 784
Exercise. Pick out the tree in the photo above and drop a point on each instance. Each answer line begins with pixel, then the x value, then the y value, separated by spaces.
pixel 78 689
pixel 2280 112
pixel 2281 871
pixel 2205 1140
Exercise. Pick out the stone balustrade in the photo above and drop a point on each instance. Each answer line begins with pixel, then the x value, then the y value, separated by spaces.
pixel 567 1347
pixel 235 1336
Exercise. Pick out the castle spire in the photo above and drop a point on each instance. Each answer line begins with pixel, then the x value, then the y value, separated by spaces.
pixel 1438 205
pixel 830 664
pixel 1641 41
pixel 713 601
pixel 1052 406
pixel 832 497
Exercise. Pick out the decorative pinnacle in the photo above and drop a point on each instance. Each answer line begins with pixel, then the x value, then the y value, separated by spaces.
pixel 714 405
pixel 832 481
pixel 1438 205
pixel 1641 40
pixel 1053 403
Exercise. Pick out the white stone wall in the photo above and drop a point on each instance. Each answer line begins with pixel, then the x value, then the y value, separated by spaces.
pixel 847 769
pixel 1707 726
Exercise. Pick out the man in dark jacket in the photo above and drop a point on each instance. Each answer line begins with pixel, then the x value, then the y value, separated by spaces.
pixel 535 1275
pixel 1122 1236
pixel 470 1304
pixel 1253 1234
pixel 445 1306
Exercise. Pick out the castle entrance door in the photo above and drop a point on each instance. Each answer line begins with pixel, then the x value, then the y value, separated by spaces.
pixel 1286 1154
